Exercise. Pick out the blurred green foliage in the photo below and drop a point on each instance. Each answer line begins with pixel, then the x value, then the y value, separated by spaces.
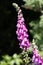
pixel 11 60
pixel 36 5
pixel 37 32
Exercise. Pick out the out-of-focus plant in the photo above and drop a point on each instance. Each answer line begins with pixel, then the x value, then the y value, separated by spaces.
pixel 36 5
pixel 11 60
pixel 37 32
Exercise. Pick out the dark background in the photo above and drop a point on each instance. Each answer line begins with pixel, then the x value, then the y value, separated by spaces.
pixel 8 20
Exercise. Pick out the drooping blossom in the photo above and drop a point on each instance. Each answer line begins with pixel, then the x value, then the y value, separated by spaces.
pixel 36 59
pixel 21 31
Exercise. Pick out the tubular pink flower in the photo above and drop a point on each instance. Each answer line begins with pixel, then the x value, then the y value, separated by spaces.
pixel 25 43
pixel 36 59
pixel 22 36
pixel 21 32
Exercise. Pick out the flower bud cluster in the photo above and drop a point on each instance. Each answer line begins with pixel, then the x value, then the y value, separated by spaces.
pixel 21 32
